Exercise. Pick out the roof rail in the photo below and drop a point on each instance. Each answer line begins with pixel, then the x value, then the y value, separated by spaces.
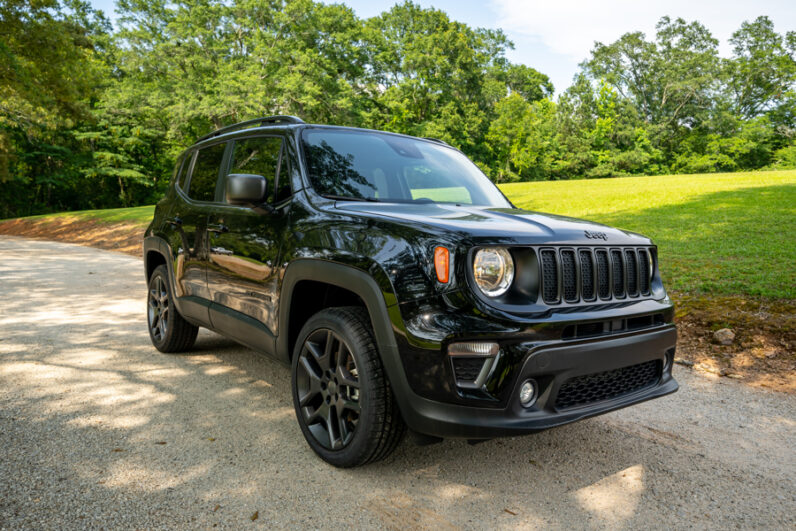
pixel 257 122
pixel 437 140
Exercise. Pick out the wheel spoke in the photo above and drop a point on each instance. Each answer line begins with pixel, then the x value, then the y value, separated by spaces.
pixel 320 358
pixel 327 349
pixel 316 415
pixel 315 378
pixel 346 378
pixel 333 425
pixel 343 425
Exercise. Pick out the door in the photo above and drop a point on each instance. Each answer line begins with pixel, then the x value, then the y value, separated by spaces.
pixel 245 244
pixel 188 229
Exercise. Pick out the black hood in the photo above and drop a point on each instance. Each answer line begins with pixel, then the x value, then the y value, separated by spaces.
pixel 485 225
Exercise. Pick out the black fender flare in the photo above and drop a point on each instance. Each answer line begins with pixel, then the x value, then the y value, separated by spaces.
pixel 340 275
pixel 362 284
pixel 162 247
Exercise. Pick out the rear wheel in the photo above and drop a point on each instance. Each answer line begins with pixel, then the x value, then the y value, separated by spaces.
pixel 343 399
pixel 169 331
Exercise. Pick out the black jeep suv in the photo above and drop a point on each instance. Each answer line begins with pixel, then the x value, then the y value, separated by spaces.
pixel 402 287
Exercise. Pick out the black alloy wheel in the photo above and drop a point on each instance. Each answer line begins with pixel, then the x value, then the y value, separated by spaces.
pixel 158 309
pixel 168 330
pixel 328 388
pixel 342 396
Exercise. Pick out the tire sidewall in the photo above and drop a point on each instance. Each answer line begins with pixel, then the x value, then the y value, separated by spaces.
pixel 356 451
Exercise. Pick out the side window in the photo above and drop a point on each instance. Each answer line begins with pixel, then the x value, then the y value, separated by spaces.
pixel 259 156
pixel 182 169
pixel 283 189
pixel 205 173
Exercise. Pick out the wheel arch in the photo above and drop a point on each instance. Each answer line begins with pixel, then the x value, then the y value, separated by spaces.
pixel 157 251
pixel 351 281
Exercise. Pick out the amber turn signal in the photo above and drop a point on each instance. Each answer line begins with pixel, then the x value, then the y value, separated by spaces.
pixel 442 262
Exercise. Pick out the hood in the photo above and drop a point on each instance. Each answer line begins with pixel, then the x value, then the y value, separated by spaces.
pixel 483 225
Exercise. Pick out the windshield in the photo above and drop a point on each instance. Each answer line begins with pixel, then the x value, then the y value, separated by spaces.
pixel 368 166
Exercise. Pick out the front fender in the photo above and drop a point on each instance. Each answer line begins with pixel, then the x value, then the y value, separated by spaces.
pixel 376 300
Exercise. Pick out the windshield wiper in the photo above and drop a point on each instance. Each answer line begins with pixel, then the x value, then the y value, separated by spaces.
pixel 344 198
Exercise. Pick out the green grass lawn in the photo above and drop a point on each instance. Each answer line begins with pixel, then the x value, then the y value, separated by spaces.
pixel 728 234
pixel 142 214
pixel 731 233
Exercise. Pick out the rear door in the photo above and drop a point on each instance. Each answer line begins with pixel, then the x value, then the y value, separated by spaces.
pixel 188 235
pixel 245 244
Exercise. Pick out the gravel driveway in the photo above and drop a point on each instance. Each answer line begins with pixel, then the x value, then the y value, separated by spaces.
pixel 98 429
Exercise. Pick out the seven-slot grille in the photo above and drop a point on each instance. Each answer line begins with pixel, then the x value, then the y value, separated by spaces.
pixel 571 275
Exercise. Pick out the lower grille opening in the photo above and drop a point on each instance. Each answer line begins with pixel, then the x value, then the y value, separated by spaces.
pixel 583 390
pixel 635 323
pixel 611 327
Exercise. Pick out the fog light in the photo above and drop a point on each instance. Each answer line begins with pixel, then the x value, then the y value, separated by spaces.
pixel 528 393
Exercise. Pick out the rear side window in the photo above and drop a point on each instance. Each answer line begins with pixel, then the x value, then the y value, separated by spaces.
pixel 182 170
pixel 205 173
pixel 258 156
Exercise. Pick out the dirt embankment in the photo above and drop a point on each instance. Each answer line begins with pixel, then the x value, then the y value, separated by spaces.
pixel 122 237
pixel 763 353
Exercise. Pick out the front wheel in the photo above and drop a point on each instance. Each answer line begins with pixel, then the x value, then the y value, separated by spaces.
pixel 343 399
pixel 168 330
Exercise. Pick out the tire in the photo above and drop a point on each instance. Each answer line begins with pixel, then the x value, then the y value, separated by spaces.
pixel 343 399
pixel 168 330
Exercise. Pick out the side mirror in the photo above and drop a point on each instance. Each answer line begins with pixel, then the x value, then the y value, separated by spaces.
pixel 245 189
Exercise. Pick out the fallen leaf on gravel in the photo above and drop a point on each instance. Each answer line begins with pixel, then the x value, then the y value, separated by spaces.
pixel 118 449
pixel 161 442
pixel 255 516
pixel 211 439
pixel 216 508
pixel 533 462
pixel 512 513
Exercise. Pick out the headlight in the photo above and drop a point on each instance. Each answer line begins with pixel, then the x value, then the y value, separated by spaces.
pixel 493 269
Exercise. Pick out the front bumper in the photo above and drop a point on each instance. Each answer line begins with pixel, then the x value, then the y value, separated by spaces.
pixel 551 366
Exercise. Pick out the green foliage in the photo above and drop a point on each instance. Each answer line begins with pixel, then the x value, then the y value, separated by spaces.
pixel 91 117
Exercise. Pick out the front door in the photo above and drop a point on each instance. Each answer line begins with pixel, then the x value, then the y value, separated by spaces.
pixel 245 244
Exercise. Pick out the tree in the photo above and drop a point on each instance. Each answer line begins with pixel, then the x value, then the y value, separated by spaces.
pixel 762 72
pixel 50 73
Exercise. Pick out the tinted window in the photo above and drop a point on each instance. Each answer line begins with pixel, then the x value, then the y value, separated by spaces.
pixel 258 156
pixel 205 173
pixel 283 189
pixel 384 167
pixel 182 169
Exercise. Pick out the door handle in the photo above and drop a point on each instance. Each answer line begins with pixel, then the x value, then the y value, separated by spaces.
pixel 175 221
pixel 218 229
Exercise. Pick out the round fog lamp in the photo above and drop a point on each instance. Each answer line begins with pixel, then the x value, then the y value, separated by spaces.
pixel 528 393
